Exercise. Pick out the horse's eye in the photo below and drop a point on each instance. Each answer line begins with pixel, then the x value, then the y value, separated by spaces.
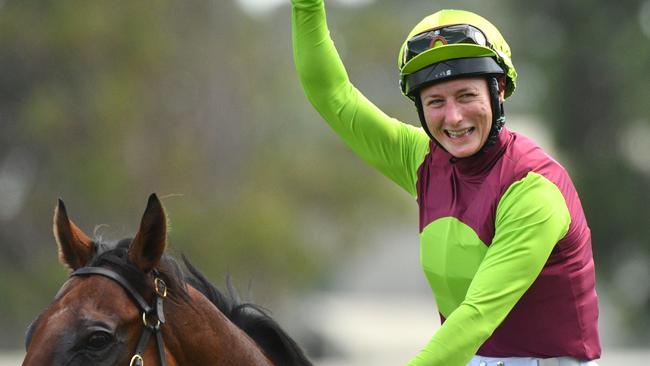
pixel 99 340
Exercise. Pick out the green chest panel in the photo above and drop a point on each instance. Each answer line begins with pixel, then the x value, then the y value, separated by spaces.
pixel 450 254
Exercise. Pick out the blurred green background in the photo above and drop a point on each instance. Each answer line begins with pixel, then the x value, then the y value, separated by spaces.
pixel 103 102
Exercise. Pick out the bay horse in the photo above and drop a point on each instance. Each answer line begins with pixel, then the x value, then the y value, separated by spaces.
pixel 129 302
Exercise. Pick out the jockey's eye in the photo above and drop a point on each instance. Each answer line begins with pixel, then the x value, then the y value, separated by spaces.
pixel 98 340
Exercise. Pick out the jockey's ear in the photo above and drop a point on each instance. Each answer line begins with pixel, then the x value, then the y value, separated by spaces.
pixel 149 243
pixel 502 89
pixel 75 247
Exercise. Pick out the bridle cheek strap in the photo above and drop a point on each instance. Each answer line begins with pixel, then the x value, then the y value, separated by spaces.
pixel 152 316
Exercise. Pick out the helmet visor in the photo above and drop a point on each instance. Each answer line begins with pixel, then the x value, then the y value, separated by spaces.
pixel 450 34
pixel 450 69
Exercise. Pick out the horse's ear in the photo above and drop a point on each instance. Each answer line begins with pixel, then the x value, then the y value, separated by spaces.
pixel 75 247
pixel 150 241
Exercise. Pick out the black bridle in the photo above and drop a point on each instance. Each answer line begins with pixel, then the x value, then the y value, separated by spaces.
pixel 153 317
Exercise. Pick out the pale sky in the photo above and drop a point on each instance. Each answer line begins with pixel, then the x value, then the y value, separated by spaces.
pixel 257 7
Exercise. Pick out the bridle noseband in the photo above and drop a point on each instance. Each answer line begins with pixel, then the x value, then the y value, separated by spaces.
pixel 153 317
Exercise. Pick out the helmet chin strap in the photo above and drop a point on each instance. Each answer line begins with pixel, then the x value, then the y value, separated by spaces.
pixel 425 127
pixel 498 113
pixel 498 116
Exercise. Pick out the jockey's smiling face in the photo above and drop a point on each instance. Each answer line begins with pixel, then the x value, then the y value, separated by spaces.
pixel 458 114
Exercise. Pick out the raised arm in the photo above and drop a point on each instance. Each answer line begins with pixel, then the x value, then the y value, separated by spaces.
pixel 394 148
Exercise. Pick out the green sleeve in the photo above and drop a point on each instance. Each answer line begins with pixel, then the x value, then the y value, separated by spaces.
pixel 531 218
pixel 396 149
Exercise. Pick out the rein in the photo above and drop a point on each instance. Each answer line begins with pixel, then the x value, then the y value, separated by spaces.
pixel 153 316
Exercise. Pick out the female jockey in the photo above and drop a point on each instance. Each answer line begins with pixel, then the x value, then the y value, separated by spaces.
pixel 504 242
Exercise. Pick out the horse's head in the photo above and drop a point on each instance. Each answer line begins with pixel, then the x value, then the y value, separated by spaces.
pixel 93 319
pixel 128 302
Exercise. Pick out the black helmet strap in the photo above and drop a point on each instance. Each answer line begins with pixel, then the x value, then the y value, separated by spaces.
pixel 498 113
pixel 423 121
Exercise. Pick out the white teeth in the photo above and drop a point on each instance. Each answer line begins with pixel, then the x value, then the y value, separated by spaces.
pixel 458 133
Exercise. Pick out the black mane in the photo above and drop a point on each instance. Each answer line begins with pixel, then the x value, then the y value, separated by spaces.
pixel 253 320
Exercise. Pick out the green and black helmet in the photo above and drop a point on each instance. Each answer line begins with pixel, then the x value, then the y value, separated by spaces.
pixel 449 35
pixel 451 44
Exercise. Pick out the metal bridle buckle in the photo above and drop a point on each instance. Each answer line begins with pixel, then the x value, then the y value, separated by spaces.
pixel 145 321
pixel 136 360
pixel 160 287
